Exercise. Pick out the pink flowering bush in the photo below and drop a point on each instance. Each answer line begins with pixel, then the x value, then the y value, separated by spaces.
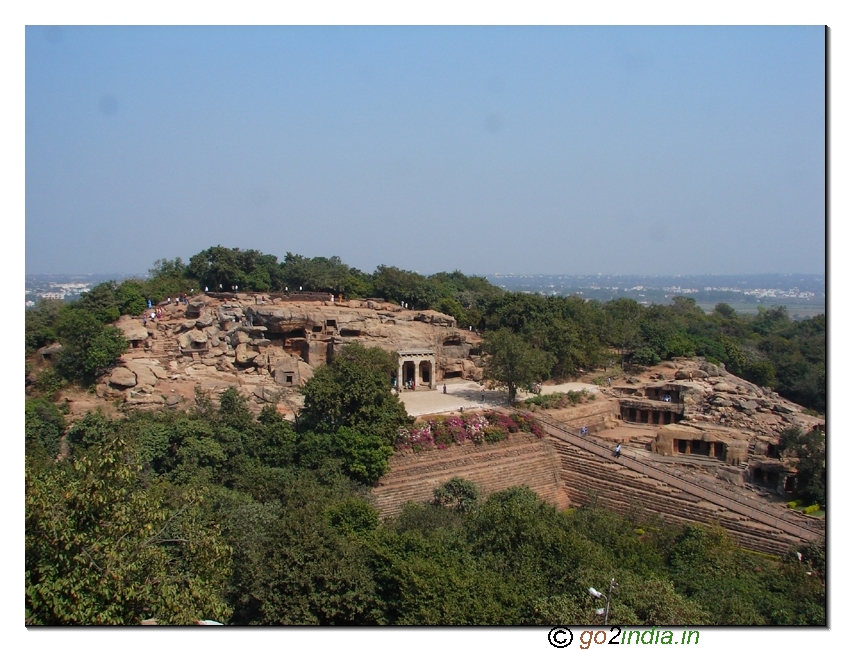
pixel 443 431
pixel 417 437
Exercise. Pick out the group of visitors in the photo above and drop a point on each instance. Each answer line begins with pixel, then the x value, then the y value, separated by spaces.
pixel 154 314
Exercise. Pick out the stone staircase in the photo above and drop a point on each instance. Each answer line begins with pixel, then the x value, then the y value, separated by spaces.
pixel 590 472
pixel 523 459
pixel 164 349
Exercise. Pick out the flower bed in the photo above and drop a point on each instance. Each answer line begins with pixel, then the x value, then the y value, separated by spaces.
pixel 440 432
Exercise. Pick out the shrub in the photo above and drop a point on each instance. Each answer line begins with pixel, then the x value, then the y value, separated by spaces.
pixel 494 434
pixel 811 509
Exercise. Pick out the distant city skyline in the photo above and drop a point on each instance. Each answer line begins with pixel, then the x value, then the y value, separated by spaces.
pixel 554 150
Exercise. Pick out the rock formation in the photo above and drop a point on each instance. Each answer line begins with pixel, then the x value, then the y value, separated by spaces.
pixel 266 348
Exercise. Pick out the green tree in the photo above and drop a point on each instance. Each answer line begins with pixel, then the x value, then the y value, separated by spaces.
pixel 623 324
pixel 457 493
pixel 44 426
pixel 810 451
pixel 349 412
pixel 104 549
pixel 40 324
pixel 88 347
pixel 513 362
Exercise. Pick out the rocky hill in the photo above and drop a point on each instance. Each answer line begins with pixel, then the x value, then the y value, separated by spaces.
pixel 268 346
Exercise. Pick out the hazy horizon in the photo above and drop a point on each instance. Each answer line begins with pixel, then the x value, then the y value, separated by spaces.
pixel 512 150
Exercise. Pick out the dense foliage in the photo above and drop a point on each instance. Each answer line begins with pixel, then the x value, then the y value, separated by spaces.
pixel 555 336
pixel 214 513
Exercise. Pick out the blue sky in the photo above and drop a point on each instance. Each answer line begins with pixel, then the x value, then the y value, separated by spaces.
pixel 657 150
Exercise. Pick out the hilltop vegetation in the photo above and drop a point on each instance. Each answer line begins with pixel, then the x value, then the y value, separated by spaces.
pixel 564 336
pixel 213 513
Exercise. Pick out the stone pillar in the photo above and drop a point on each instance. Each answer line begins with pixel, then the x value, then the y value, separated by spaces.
pixel 688 447
pixel 711 449
pixel 400 373
pixel 416 378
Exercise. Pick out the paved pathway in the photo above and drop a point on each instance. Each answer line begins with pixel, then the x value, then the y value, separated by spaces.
pixel 470 395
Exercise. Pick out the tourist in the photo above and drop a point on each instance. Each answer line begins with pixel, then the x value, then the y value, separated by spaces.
pixel 617 451
pixel 608 381
pixel 444 389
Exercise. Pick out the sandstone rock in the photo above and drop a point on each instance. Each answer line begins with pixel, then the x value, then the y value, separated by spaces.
pixel 138 399
pixel 50 350
pixel 260 343
pixel 244 354
pixel 731 475
pixel 195 307
pixel 205 320
pixel 123 378
pixel 144 373
pixel 239 337
pixel 686 373
pixel 197 337
pixel 158 371
pixel 710 369
pixel 131 328
pixel 172 400
pixel 266 393
pixel 784 409
pixel 187 325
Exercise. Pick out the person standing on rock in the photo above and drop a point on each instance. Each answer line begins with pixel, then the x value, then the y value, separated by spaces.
pixel 617 451
pixel 444 389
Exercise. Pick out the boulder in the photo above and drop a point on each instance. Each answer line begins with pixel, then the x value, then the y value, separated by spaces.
pixel 49 350
pixel 194 308
pixel 143 372
pixel 197 337
pixel 159 372
pixel 266 393
pixel 123 378
pixel 205 320
pixel 131 328
pixel 686 373
pixel 239 337
pixel 710 369
pixel 244 354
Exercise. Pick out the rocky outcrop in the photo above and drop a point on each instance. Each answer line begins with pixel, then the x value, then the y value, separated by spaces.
pixel 268 347
pixel 132 328
pixel 122 378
